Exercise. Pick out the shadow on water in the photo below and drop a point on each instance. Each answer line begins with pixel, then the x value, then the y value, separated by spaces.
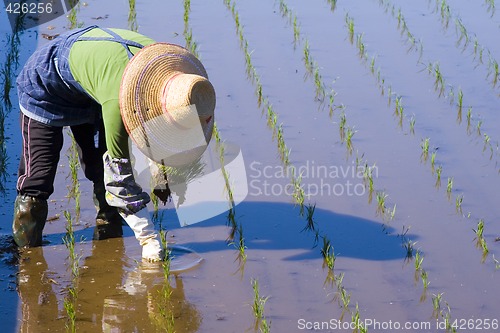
pixel 278 226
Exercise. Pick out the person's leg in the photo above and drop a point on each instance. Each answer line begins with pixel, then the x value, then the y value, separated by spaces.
pixel 91 146
pixel 37 169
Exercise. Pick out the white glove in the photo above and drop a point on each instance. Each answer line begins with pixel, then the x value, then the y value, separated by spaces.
pixel 144 232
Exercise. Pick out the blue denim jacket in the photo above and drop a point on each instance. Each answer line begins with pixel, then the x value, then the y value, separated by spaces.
pixel 48 91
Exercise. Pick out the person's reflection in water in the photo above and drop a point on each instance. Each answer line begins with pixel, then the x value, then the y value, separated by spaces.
pixel 115 294
pixel 39 311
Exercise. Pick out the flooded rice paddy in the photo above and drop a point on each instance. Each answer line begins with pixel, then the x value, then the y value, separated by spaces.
pixel 368 134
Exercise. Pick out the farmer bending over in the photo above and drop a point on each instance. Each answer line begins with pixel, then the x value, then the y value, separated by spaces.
pixel 108 85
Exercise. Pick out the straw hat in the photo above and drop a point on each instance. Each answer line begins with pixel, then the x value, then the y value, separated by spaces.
pixel 167 104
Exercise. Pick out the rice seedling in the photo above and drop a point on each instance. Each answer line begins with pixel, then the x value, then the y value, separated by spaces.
pixel 494 71
pixel 333 4
pixel 480 241
pixel 311 224
pixel 342 126
pixel 491 6
pixel 361 46
pixel 445 13
pixel 259 94
pixel 449 186
pixel 370 186
pixel 439 84
pixel 132 16
pixel 458 203
pixel 478 126
pixel 381 196
pixel 439 170
pixel 331 102
pixel 418 260
pixel 307 57
pixel 350 27
pixel 298 193
pixel 425 149
pixel 265 327
pixel 283 150
pixel 459 107
pixel 436 303
pixel 328 254
pixel 477 50
pixel 258 302
pixel 356 320
pixel 433 160
pixel 242 257
pixel 479 232
pixel 409 247
pixel 486 141
pixel 345 298
pixel 296 30
pixel 469 116
pixel 425 279
pixel 412 124
pixel 284 8
pixel 318 82
pixel 391 213
pixel 462 32
pixel 398 110
pixel 348 138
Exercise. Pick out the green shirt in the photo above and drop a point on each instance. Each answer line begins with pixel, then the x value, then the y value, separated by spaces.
pixel 98 67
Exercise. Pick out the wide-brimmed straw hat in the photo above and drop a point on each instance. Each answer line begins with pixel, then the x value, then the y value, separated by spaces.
pixel 167 104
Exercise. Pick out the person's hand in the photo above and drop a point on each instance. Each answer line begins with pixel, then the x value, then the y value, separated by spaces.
pixel 163 193
pixel 159 181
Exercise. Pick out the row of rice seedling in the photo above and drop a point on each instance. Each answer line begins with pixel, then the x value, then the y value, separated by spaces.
pixel 74 165
pixel 272 120
pixel 408 244
pixel 236 228
pixel 441 86
pixel 346 133
pixel 444 312
pixel 71 299
pixel 466 39
pixel 166 319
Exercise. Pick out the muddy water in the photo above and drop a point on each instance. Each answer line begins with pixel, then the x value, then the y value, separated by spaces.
pixel 119 293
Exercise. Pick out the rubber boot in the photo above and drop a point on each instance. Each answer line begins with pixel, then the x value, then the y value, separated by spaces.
pixel 30 215
pixel 108 220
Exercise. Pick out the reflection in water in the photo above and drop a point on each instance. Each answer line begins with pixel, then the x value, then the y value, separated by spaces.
pixel 7 77
pixel 115 294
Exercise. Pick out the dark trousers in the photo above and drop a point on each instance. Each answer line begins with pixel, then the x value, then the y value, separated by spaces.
pixel 41 150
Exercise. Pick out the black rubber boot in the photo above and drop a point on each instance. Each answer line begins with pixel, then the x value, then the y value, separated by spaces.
pixel 108 220
pixel 30 215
